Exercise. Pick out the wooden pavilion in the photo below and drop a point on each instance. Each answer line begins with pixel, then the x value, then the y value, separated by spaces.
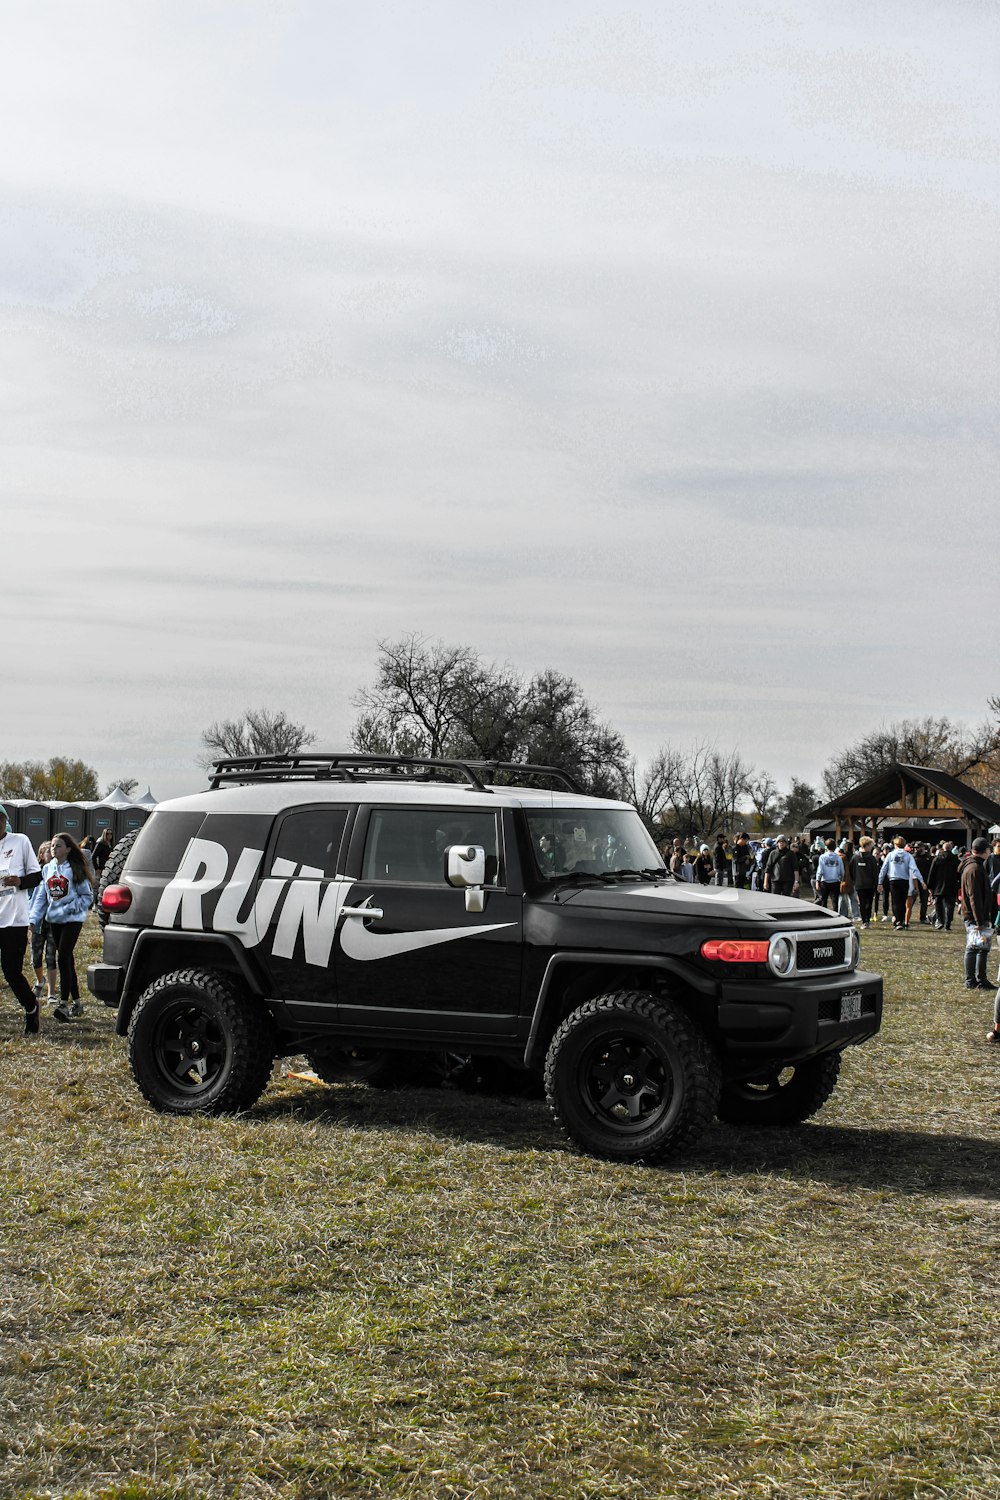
pixel 916 801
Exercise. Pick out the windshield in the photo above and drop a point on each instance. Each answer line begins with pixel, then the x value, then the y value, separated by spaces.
pixel 591 841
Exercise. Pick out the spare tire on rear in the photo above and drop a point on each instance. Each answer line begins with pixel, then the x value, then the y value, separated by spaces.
pixel 112 872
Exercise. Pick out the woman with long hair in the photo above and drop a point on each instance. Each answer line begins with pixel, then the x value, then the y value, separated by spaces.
pixel 63 900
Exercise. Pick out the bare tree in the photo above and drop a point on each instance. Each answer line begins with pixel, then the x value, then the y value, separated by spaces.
pixel 439 700
pixel 694 793
pixel 258 731
pixel 762 790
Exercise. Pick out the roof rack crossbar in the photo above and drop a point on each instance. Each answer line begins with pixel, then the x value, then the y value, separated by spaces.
pixel 356 766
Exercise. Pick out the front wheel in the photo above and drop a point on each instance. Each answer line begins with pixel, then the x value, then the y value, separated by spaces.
pixel 782 1096
pixel 630 1077
pixel 198 1046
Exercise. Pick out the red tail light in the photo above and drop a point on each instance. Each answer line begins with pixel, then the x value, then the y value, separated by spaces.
pixel 731 951
pixel 117 898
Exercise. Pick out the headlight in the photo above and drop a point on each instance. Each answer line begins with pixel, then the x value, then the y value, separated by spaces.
pixel 781 955
pixel 855 950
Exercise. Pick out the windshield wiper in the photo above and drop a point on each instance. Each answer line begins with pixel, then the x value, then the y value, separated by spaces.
pixel 647 874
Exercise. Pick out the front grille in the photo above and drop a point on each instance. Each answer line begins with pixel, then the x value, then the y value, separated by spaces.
pixel 817 952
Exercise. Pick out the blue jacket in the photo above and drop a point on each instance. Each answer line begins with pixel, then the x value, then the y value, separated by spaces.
pixel 899 864
pixel 47 905
pixel 830 868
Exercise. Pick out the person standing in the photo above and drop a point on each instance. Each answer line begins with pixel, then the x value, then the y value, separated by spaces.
pixel 899 871
pixel 864 872
pixel 942 881
pixel 992 872
pixel 722 861
pixel 742 861
pixel 19 873
pixel 922 860
pixel 63 899
pixel 978 929
pixel 849 905
pixel 829 874
pixel 781 870
pixel 100 852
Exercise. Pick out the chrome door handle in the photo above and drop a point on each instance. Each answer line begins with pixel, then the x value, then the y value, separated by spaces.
pixel 362 911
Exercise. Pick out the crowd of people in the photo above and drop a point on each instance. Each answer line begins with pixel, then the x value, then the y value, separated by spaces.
pixel 868 882
pixel 46 897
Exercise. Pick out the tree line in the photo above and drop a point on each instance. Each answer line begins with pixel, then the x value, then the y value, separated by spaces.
pixel 432 699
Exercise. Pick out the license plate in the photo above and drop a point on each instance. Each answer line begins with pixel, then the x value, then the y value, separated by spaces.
pixel 850 1005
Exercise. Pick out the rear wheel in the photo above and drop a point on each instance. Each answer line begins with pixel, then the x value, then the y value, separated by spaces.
pixel 784 1096
pixel 197 1045
pixel 630 1077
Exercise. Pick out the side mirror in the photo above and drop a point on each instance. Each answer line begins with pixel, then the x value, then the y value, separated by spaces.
pixel 465 867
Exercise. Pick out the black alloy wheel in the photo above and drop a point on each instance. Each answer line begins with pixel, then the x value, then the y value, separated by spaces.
pixel 782 1096
pixel 630 1077
pixel 200 1044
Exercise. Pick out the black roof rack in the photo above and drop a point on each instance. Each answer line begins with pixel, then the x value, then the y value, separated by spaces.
pixel 322 765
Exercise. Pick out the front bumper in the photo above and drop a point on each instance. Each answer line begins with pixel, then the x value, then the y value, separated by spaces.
pixel 801 1016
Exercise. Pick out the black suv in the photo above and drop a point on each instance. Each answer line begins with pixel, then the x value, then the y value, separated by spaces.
pixel 387 916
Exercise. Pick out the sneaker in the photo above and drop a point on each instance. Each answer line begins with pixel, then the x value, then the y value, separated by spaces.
pixel 993 1036
pixel 62 1013
pixel 971 986
pixel 31 1021
pixel 984 984
pixel 38 988
pixel 76 1009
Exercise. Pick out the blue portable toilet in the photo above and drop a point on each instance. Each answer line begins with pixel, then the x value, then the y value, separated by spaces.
pixel 35 820
pixel 128 819
pixel 69 817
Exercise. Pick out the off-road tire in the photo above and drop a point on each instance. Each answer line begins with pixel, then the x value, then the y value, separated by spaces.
pixel 782 1097
pixel 112 872
pixel 630 1077
pixel 349 1064
pixel 199 1045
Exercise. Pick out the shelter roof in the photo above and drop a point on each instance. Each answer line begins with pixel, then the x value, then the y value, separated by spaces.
pixel 886 789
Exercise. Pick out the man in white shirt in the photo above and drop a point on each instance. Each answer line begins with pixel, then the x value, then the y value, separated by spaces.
pixel 19 873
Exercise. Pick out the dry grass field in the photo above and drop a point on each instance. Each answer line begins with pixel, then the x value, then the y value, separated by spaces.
pixel 428 1294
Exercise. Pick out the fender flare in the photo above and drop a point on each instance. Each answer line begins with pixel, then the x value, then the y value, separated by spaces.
pixel 249 971
pixel 664 964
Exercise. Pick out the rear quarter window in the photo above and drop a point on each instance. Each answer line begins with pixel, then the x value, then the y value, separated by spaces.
pixel 162 840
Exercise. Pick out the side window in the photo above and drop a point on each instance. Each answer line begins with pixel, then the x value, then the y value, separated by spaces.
pixel 160 845
pixel 311 839
pixel 408 843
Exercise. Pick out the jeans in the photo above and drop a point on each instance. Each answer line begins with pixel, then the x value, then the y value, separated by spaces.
pixel 975 959
pixel 849 906
pixel 944 911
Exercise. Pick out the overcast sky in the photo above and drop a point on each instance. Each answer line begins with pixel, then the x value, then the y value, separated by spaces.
pixel 653 342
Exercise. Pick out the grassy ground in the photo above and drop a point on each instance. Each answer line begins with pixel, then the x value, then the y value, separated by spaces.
pixel 348 1293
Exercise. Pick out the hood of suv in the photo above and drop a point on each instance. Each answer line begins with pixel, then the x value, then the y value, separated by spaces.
pixel 699 903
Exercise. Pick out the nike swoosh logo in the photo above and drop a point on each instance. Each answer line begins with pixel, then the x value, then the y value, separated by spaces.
pixel 364 944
